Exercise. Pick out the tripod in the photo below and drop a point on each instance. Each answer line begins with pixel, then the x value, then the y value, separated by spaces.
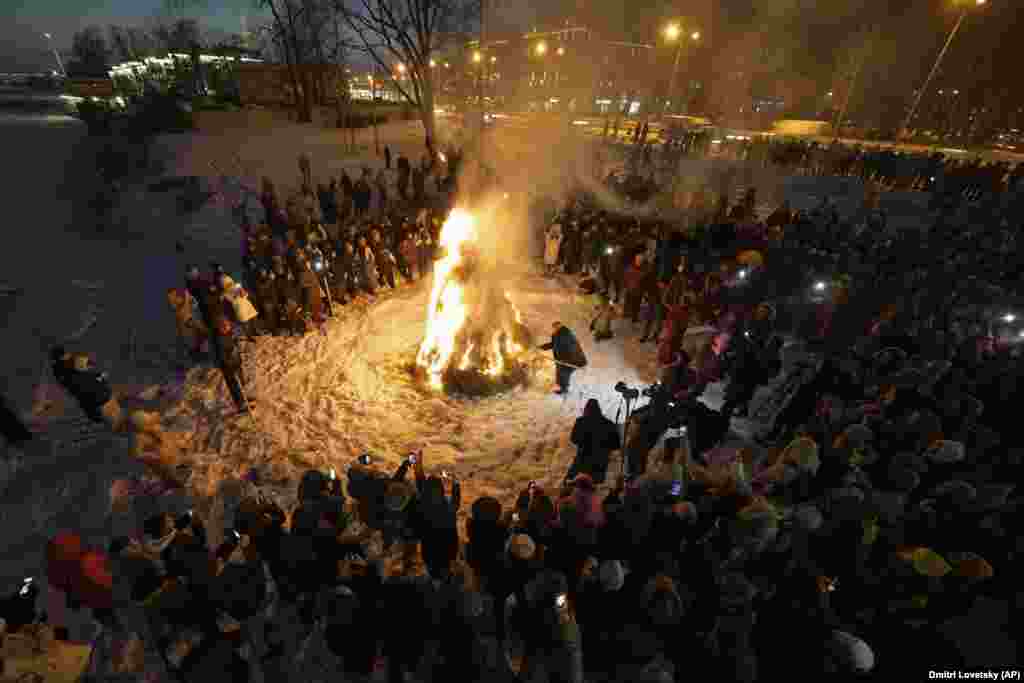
pixel 629 402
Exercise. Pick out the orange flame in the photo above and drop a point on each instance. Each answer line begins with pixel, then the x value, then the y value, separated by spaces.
pixel 448 313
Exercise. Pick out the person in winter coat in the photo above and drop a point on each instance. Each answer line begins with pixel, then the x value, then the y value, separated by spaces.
pixel 89 387
pixel 553 244
pixel 410 256
pixel 386 262
pixel 191 332
pixel 266 302
pixel 230 362
pixel 424 250
pixel 361 194
pixel 568 354
pixel 437 511
pixel 581 517
pixel 197 286
pixel 634 282
pixel 487 535
pixel 595 437
pixel 238 301
pixel 551 635
pixel 381 192
pixel 345 271
pixel 312 296
pixel 419 181
pixel 601 325
pixel 368 267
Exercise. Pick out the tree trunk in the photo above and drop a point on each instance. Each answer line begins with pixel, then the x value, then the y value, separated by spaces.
pixel 427 116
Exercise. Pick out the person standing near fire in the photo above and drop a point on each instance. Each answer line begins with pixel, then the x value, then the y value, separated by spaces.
pixel 568 353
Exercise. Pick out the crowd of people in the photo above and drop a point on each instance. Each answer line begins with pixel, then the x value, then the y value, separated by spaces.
pixel 879 513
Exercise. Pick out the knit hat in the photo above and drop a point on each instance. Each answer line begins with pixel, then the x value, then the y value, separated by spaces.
pixel 611 575
pixel 850 653
pixel 397 496
pixel 521 547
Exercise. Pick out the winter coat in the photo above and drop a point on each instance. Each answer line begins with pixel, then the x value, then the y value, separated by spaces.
pixel 595 437
pixel 230 353
pixel 582 517
pixel 369 268
pixel 312 297
pixel 89 387
pixel 190 330
pixel 238 299
pixel 566 348
pixel 409 252
pixel 635 278
pixel 553 245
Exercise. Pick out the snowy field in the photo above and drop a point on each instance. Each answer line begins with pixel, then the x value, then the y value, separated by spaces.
pixel 318 401
pixel 323 400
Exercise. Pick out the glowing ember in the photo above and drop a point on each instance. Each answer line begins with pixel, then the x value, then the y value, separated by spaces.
pixel 473 330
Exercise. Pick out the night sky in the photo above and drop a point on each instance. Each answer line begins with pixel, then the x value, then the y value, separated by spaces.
pixel 803 37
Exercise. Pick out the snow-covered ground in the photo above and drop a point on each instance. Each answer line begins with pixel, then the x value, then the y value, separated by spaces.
pixel 323 400
pixel 319 400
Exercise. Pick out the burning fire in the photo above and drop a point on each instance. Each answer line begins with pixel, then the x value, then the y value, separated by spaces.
pixel 466 328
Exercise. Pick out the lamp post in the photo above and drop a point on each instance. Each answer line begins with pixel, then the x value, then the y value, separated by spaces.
pixel 674 34
pixel 60 64
pixel 938 63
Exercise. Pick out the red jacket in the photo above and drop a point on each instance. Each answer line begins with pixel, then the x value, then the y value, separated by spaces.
pixel 634 278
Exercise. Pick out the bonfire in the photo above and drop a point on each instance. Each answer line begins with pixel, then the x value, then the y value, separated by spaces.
pixel 475 340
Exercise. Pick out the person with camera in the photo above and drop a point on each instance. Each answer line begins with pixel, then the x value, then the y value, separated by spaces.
pixel 595 438
pixel 568 353
pixel 545 620
pixel 437 506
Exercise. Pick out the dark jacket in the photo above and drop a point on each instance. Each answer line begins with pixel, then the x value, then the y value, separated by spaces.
pixel 89 387
pixel 595 437
pixel 566 347
pixel 230 353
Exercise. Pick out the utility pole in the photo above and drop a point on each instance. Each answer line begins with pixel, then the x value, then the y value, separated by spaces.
pixel 481 91
pixel 938 63
pixel 837 126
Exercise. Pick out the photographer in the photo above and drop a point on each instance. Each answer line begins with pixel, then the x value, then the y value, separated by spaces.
pixel 546 621
pixel 436 518
pixel 595 437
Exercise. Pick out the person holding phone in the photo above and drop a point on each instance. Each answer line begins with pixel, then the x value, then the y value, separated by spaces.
pixel 436 517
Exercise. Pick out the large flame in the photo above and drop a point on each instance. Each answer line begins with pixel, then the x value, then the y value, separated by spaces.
pixel 452 337
pixel 447 312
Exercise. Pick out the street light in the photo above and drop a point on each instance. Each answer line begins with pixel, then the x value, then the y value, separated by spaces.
pixel 477 57
pixel 673 32
pixel 542 48
pixel 60 64
pixel 938 63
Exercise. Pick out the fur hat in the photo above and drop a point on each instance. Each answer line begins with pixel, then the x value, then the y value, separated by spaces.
pixel 611 575
pixel 521 547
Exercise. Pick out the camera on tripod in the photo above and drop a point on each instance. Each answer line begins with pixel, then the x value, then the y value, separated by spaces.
pixel 627 392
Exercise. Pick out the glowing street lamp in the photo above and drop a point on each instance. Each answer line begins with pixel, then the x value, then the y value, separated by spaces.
pixel 938 62
pixel 674 33
pixel 542 48
pixel 477 57
pixel 60 64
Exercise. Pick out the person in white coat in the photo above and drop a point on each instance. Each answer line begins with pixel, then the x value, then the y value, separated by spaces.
pixel 553 245
pixel 238 299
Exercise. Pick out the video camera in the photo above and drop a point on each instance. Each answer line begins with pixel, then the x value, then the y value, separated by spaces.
pixel 627 392
pixel 19 609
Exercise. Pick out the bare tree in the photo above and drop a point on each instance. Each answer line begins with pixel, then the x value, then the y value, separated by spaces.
pixel 404 36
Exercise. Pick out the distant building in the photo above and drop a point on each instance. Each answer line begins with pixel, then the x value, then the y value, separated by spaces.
pixel 570 69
